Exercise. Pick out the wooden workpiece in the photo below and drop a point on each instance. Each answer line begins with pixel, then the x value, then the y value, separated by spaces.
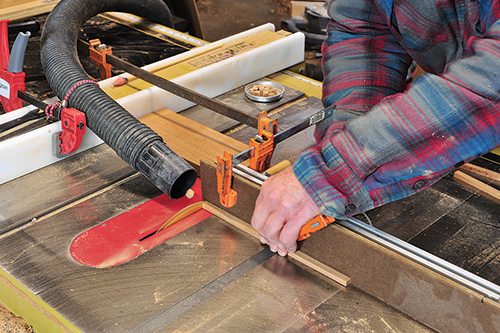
pixel 477 186
pixel 417 291
pixel 487 176
pixel 191 140
pixel 297 256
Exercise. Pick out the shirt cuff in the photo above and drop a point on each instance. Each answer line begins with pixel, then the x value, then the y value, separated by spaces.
pixel 331 183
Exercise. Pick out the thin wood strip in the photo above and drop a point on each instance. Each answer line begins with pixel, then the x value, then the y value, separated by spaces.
pixel 183 213
pixel 298 255
pixel 483 174
pixel 477 186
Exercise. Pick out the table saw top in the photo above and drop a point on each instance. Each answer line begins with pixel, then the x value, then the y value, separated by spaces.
pixel 41 214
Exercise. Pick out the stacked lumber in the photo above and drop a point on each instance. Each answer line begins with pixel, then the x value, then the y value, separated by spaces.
pixel 18 9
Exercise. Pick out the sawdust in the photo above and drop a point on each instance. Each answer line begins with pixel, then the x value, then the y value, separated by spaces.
pixel 9 323
pixel 204 5
pixel 285 6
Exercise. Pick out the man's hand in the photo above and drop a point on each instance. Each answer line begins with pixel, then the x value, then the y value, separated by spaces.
pixel 282 208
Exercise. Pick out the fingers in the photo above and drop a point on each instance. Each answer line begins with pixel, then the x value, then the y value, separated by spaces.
pixel 269 226
pixel 289 235
pixel 272 230
pixel 264 207
pixel 281 234
pixel 281 209
pixel 259 219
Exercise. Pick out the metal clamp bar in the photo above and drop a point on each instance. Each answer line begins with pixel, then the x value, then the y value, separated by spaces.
pixel 312 120
pixel 254 176
pixel 243 156
pixel 32 100
pixel 175 89
pixel 183 92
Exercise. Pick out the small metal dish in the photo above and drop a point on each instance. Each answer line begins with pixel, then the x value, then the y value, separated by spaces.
pixel 279 88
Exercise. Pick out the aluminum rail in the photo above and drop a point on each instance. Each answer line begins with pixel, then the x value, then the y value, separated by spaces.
pixel 438 265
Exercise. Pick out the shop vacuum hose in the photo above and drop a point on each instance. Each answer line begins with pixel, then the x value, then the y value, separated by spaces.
pixel 133 141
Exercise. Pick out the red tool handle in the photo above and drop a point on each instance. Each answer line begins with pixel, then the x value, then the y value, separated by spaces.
pixel 10 83
pixel 4 44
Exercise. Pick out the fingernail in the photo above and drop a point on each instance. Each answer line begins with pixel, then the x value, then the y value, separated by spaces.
pixel 273 247
pixel 290 250
pixel 263 240
pixel 282 253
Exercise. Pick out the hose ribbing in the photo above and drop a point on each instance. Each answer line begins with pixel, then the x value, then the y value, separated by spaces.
pixel 133 141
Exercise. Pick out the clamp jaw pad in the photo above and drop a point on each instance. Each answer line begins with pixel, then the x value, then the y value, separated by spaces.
pixel 73 124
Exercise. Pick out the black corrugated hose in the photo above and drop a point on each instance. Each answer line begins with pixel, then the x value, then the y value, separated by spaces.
pixel 133 141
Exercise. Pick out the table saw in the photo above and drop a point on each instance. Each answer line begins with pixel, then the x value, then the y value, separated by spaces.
pixel 80 250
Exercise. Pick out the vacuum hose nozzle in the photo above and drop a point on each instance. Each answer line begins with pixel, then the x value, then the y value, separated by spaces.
pixel 133 141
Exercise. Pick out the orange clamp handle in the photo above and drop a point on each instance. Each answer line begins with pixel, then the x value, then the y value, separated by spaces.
pixel 224 167
pixel 263 145
pixel 262 153
pixel 266 124
pixel 98 53
pixel 317 223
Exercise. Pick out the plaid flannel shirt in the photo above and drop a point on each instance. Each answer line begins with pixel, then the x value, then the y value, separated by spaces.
pixel 384 143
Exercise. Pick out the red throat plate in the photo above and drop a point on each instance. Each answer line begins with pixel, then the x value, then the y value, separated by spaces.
pixel 132 233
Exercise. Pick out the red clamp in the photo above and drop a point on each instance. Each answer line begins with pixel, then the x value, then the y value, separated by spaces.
pixel 10 83
pixel 98 53
pixel 73 124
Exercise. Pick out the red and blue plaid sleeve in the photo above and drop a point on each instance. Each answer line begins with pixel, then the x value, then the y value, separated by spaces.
pixel 391 144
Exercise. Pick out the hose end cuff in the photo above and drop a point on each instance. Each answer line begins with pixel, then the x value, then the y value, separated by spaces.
pixel 167 170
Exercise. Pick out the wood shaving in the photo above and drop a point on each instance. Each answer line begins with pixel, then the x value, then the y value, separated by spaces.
pixel 263 90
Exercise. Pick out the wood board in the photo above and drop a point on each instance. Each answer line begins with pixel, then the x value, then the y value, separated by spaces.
pixel 297 256
pixel 488 176
pixel 417 291
pixel 477 186
pixel 18 9
pixel 189 139
pixel 409 287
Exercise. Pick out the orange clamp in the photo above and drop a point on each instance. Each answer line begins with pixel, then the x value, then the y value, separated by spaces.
pixel 317 223
pixel 262 152
pixel 98 53
pixel 266 124
pixel 224 179
pixel 263 148
pixel 264 144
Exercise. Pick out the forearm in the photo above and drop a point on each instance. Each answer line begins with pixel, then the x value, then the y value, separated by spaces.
pixel 362 60
pixel 409 141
